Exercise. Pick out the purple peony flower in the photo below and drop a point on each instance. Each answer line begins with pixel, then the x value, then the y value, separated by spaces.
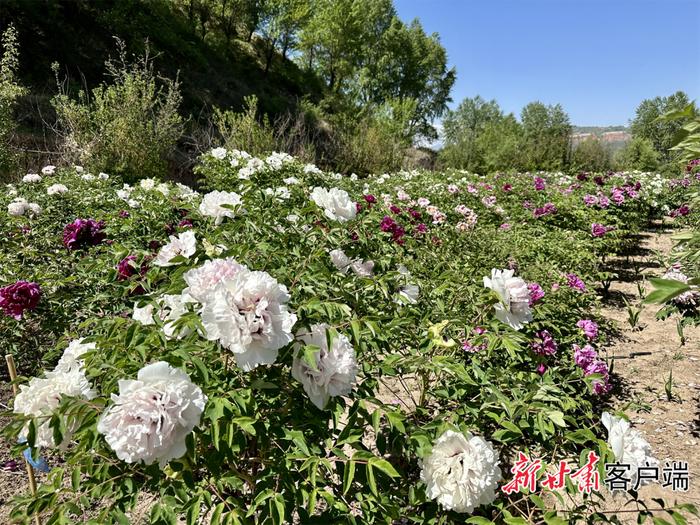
pixel 598 366
pixel 124 214
pixel 574 281
pixel 590 200
pixel 507 187
pixel 18 297
pixel 387 224
pixel 539 183
pixel 83 232
pixel 598 230
pixel 541 369
pixel 544 343
pixel 126 267
pixel 547 209
pixel 395 209
pixel 590 328
pixel 536 293
pixel 617 195
pixel 681 211
pixel 584 356
pixel 370 199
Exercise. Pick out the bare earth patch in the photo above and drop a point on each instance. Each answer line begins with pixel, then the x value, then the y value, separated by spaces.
pixel 644 360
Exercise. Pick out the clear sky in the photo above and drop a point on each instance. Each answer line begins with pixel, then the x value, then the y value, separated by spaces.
pixel 598 58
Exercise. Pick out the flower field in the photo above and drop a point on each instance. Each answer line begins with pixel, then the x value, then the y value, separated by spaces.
pixel 288 345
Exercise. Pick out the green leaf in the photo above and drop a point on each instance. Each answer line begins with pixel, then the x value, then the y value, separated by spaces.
pixel 348 476
pixel 246 423
pixel 665 290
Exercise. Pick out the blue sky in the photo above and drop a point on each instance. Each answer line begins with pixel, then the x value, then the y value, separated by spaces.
pixel 598 58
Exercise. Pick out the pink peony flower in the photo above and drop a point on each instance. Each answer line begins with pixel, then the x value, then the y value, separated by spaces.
pixel 536 293
pixel 590 328
pixel 544 343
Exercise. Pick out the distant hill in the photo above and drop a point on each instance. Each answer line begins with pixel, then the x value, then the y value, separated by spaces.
pixel 614 136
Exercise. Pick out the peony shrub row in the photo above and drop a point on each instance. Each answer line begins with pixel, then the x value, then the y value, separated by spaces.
pixel 298 346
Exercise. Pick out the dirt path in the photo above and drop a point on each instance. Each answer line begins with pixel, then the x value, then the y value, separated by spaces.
pixel 644 359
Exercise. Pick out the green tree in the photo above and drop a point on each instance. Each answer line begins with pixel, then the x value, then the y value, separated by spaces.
pixel 546 136
pixel 591 155
pixel 647 123
pixel 408 64
pixel 462 128
pixel 638 154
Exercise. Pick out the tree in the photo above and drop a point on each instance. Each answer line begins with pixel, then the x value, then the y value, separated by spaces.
pixel 407 64
pixel 337 39
pixel 462 128
pixel 546 136
pixel 638 154
pixel 591 155
pixel 647 124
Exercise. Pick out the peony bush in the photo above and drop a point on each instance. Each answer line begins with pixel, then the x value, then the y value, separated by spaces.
pixel 294 346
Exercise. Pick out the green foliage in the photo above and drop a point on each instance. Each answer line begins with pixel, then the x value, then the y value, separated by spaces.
pixel 647 123
pixel 479 137
pixel 129 126
pixel 592 155
pixel 546 131
pixel 638 154
pixel 10 91
pixel 246 130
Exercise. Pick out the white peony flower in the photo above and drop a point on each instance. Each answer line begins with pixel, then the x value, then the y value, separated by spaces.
pixel 343 263
pixel 336 203
pixel 70 360
pixel 514 306
pixel 89 177
pixel 247 313
pixel 202 280
pixel 31 178
pixel 78 169
pixel 184 244
pixel 290 181
pixel 213 202
pixel 41 397
pixel 163 189
pixel 461 472
pixel 143 314
pixel 627 444
pixel 34 209
pixel 147 184
pixel 335 371
pixel 17 208
pixel 103 176
pixel 173 307
pixel 152 416
pixel 219 153
pixel 340 260
pixel 410 293
pixel 48 170
pixel 312 168
pixel 185 192
pixel 56 189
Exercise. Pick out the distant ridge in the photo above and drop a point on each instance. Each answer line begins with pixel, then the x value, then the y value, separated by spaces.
pixel 616 136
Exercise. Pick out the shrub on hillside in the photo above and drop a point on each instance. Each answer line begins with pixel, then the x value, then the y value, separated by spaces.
pixel 129 126
pixel 10 91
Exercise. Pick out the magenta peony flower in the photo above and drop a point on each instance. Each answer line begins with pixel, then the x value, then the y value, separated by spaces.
pixel 600 386
pixel 18 297
pixel 590 328
pixel 682 211
pixel 539 183
pixel 370 199
pixel 584 356
pixel 507 187
pixel 590 200
pixel 126 268
pixel 547 209
pixel 574 281
pixel 541 369
pixel 124 214
pixel 544 343
pixel 536 293
pixel 598 230
pixel 185 223
pixel 83 232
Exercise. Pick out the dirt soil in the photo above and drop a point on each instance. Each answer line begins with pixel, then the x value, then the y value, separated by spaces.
pixel 644 358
